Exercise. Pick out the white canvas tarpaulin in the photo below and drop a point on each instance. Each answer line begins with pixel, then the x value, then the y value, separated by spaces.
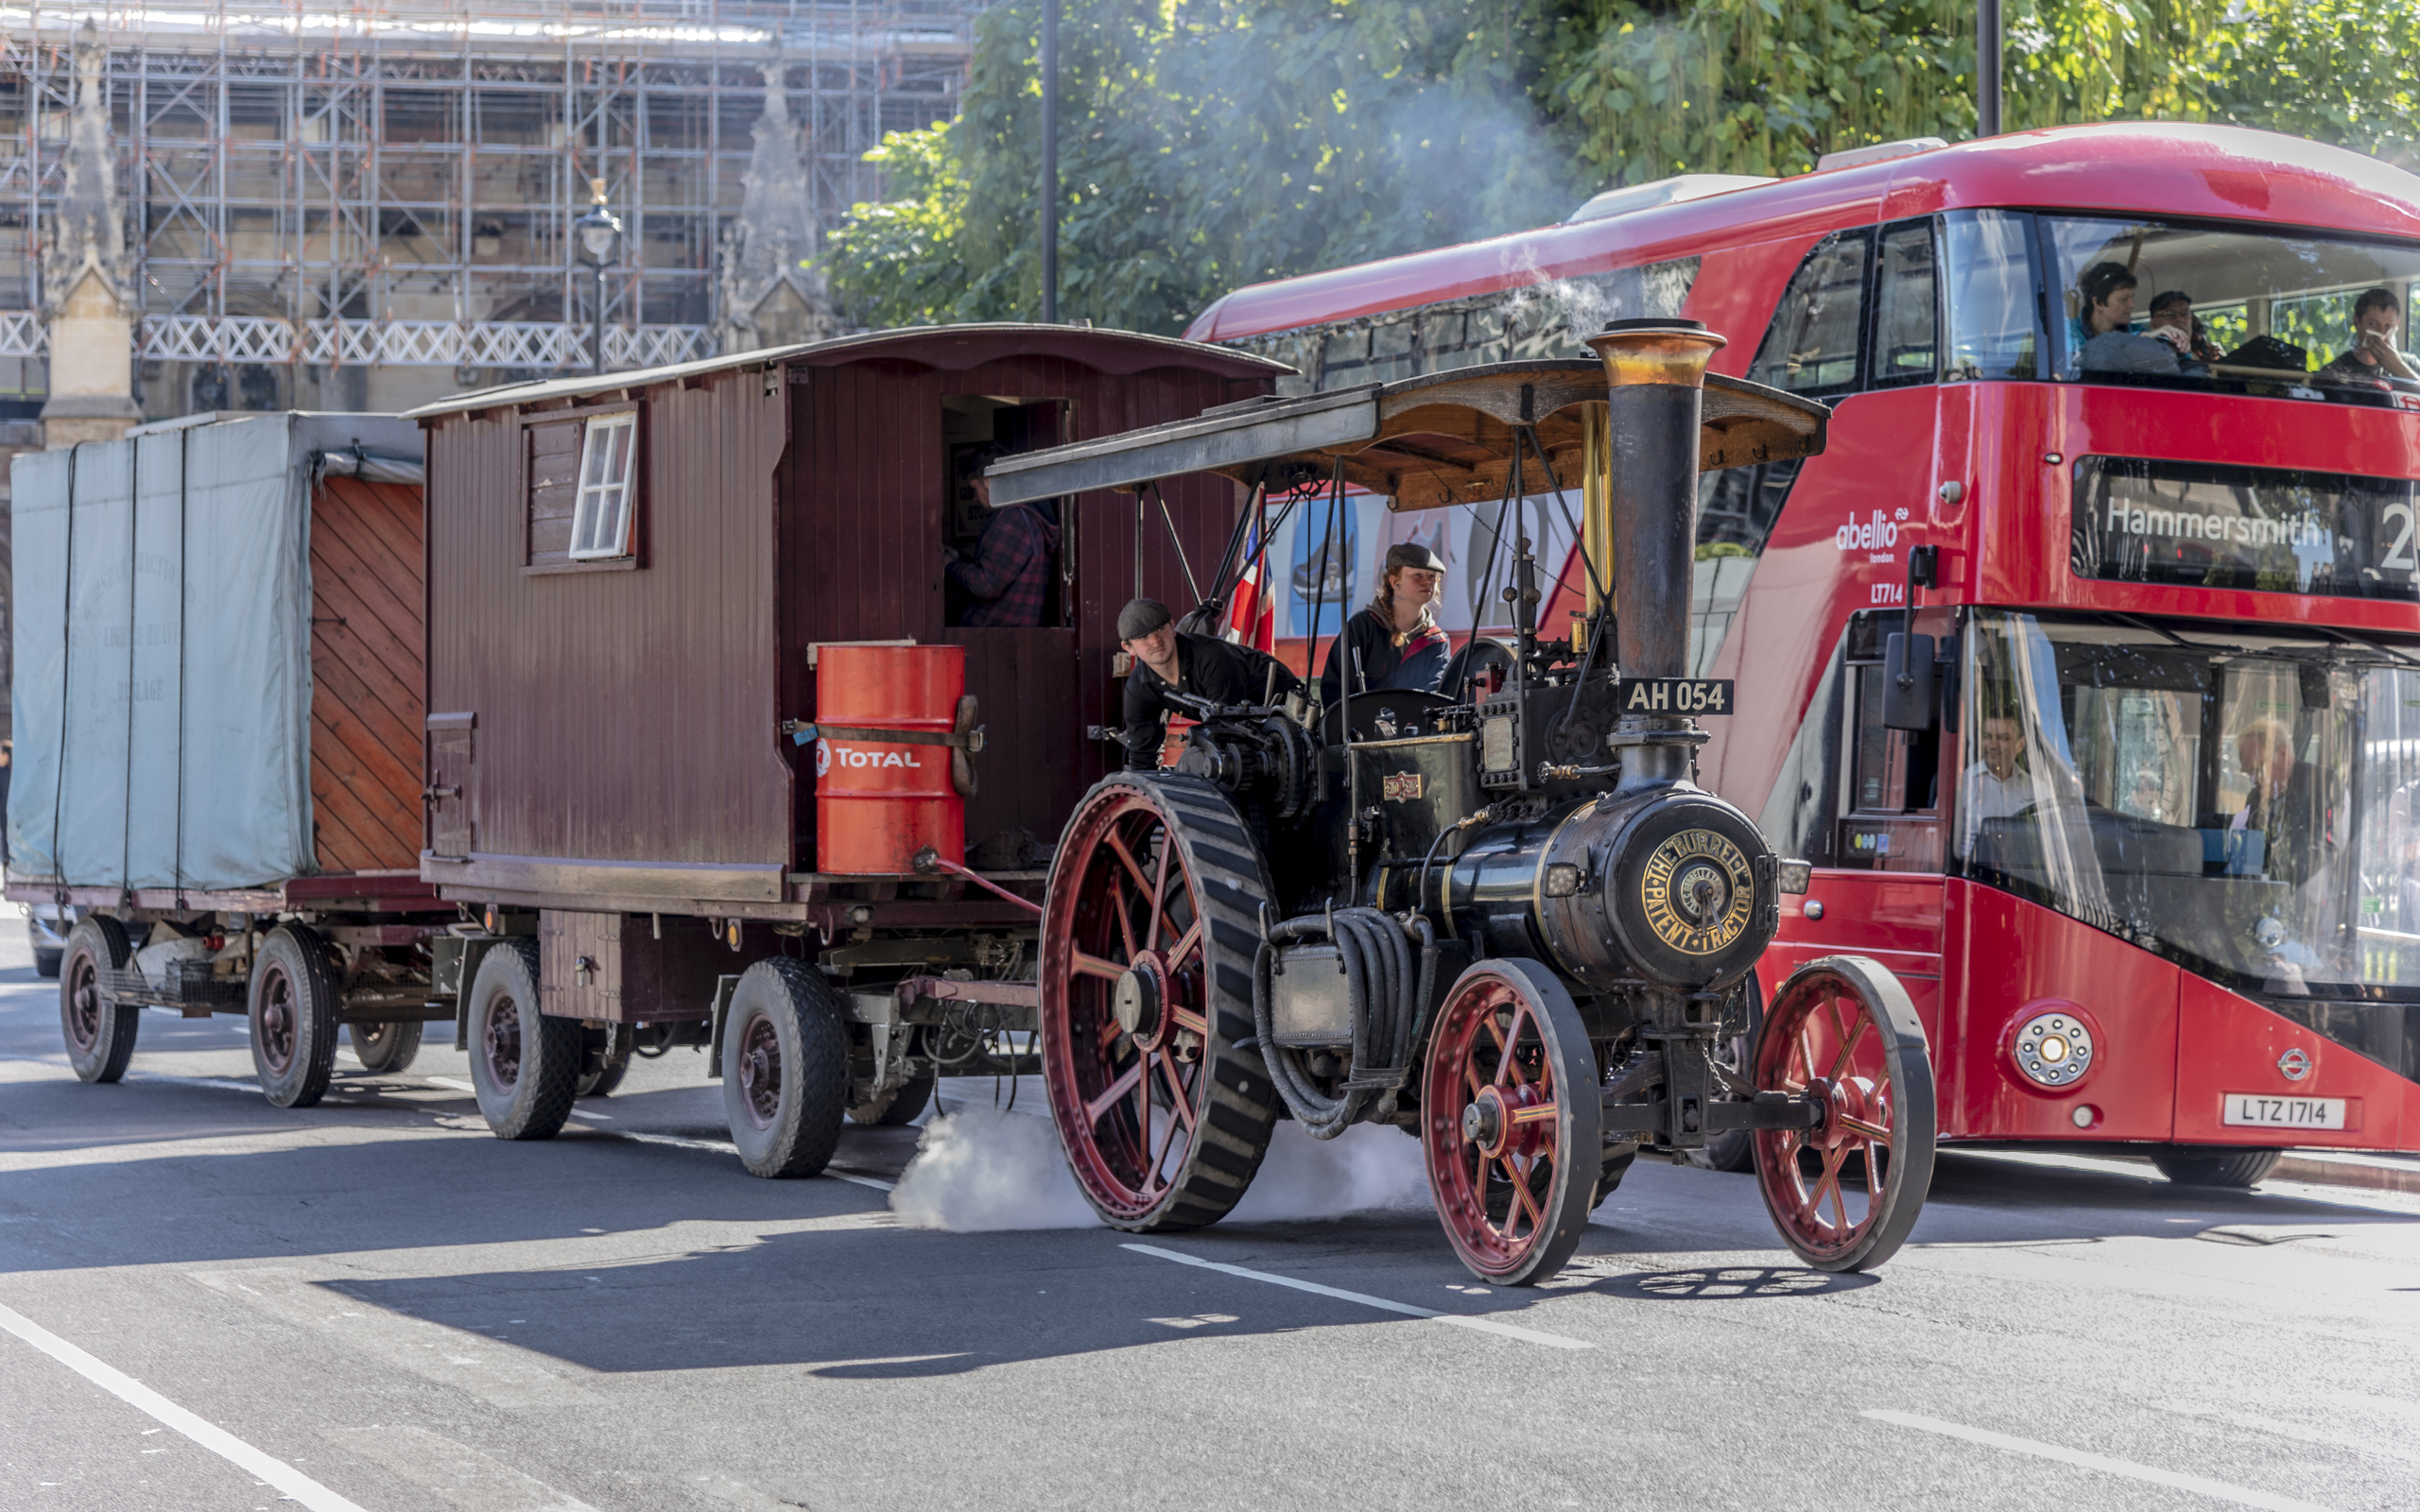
pixel 163 688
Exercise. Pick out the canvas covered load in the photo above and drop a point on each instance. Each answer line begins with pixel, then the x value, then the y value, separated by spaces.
pixel 163 698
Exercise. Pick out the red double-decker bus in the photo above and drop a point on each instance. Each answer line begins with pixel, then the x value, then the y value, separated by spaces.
pixel 2083 665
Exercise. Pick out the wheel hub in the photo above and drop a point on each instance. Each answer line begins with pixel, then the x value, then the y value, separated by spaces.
pixel 1850 1098
pixel 1140 1002
pixel 504 1045
pixel 760 1073
pixel 1492 1121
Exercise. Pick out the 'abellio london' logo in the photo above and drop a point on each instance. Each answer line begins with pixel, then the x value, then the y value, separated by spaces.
pixel 1876 534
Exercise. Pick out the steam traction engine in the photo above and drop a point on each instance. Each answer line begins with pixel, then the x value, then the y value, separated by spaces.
pixel 1502 917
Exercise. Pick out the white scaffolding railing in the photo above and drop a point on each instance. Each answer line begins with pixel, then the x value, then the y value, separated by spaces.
pixel 539 345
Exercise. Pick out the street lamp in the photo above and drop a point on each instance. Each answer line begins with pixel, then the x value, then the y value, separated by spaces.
pixel 595 238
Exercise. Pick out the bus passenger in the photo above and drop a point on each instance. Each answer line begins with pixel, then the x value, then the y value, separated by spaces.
pixel 1166 660
pixel 2373 353
pixel 1395 643
pixel 2174 322
pixel 2108 291
pixel 2278 806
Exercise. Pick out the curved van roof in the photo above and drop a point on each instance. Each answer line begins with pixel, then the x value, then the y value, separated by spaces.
pixel 2133 168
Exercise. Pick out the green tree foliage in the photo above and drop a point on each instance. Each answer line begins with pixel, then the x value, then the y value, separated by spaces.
pixel 1208 144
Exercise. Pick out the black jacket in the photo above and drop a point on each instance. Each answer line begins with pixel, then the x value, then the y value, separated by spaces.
pixel 1207 667
pixel 1418 664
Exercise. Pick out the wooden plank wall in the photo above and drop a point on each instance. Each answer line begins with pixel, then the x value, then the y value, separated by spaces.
pixel 366 675
pixel 622 714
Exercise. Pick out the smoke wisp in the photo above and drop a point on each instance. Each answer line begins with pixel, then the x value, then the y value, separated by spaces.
pixel 980 1170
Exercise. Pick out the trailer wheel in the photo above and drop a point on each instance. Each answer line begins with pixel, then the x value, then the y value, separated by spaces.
pixel 524 1065
pixel 387 1048
pixel 1147 936
pixel 99 1033
pixel 896 1106
pixel 1846 1194
pixel 2206 1166
pixel 1511 1122
pixel 295 990
pixel 785 1069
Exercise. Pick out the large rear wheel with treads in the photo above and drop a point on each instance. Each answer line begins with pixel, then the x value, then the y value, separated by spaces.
pixel 1511 1122
pixel 1147 938
pixel 98 1029
pixel 1847 1192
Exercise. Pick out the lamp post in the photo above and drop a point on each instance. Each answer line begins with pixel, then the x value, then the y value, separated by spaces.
pixel 595 238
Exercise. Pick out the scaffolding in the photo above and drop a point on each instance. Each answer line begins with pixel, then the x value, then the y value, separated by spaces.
pixel 358 204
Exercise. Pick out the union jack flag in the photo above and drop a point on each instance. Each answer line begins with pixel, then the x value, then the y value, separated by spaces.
pixel 1251 610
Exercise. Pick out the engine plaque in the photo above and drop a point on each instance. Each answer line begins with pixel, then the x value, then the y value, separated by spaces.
pixel 1697 891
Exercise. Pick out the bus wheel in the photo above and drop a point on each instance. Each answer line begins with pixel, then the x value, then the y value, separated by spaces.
pixel 2222 1166
pixel 293 1016
pixel 1847 1192
pixel 1147 936
pixel 98 1030
pixel 1511 1122
pixel 524 1064
pixel 785 1069
pixel 387 1049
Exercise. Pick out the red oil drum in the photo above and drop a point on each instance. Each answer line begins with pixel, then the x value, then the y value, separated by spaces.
pixel 876 802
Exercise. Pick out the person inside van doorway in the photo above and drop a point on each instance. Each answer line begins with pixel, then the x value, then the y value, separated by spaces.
pixel 1007 584
pixel 1166 660
pixel 1395 642
pixel 2373 354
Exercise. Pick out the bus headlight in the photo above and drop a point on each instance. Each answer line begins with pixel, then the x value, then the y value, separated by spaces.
pixel 2052 1048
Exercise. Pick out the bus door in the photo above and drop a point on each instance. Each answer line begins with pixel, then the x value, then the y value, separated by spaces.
pixel 1881 894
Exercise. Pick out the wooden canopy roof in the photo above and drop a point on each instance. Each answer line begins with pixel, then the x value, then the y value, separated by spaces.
pixel 1440 439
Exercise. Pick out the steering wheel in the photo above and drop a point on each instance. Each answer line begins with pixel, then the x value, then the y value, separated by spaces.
pixel 1473 659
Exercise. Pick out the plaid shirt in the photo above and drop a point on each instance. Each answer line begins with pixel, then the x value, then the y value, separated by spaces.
pixel 1010 572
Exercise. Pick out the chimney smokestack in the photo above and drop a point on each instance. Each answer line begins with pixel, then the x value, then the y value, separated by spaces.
pixel 1655 373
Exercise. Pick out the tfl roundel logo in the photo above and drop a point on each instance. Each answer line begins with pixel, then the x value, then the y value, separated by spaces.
pixel 2294 1063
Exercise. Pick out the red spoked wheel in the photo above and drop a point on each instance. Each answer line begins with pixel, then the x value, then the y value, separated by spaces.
pixel 1847 1192
pixel 1511 1122
pixel 1147 938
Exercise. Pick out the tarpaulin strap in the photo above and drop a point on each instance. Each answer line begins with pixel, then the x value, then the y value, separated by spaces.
pixel 802 731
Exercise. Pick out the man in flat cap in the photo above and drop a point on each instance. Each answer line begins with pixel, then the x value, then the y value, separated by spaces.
pixel 1203 665
pixel 1395 642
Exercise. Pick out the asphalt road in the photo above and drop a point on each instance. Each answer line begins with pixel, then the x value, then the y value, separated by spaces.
pixel 376 1304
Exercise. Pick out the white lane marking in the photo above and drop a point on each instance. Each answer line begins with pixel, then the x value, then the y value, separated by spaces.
pixel 582 1113
pixel 448 1081
pixel 1484 1325
pixel 267 1467
pixel 458 1473
pixel 2199 1485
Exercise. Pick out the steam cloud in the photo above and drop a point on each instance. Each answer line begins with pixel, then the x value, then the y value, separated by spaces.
pixel 979 1170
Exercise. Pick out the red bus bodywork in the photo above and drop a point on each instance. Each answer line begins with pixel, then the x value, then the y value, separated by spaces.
pixel 1977 959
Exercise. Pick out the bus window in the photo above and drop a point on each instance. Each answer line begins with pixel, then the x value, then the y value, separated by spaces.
pixel 1906 316
pixel 1995 321
pixel 1811 347
pixel 2229 307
